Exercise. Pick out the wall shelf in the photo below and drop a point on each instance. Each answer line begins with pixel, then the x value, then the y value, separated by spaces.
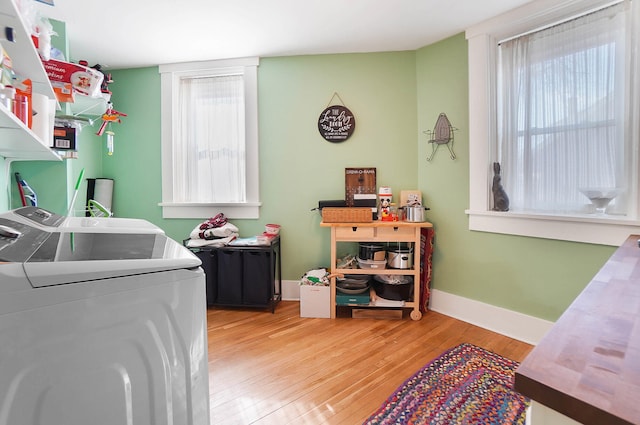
pixel 18 141
pixel 86 106
pixel 26 60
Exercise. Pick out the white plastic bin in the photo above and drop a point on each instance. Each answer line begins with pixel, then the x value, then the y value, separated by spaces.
pixel 315 301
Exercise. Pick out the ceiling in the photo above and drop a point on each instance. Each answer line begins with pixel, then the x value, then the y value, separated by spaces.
pixel 135 33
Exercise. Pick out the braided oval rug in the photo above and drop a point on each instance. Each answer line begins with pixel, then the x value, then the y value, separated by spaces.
pixel 464 385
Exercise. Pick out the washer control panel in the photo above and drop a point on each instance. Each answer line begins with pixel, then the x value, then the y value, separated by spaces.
pixel 40 216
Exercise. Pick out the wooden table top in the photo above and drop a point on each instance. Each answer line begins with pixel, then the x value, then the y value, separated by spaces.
pixel 380 223
pixel 587 367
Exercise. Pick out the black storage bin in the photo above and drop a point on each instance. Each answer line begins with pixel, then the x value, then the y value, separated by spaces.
pixel 242 276
pixel 257 276
pixel 210 266
pixel 229 284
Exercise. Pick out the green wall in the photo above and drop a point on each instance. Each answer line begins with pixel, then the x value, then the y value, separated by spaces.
pixel 537 277
pixel 297 166
pixel 54 182
pixel 135 163
pixel 395 98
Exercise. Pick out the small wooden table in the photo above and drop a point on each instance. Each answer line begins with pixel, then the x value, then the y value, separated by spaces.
pixel 587 367
pixel 378 231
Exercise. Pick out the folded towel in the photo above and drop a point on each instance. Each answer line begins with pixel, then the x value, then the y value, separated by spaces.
pixel 197 243
pixel 223 231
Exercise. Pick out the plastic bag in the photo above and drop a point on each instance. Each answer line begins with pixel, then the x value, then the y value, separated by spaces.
pixel 318 277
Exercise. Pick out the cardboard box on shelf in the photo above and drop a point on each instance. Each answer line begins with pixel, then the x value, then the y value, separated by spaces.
pixel 82 79
pixel 64 138
pixel 350 299
pixel 64 92
pixel 376 313
pixel 410 197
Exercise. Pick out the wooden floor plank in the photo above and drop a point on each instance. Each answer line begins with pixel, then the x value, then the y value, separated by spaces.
pixel 280 368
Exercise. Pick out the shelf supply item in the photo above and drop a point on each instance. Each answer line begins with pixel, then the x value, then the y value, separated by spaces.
pixel 21 108
pixel 26 193
pixel 7 96
pixel 44 119
pixel 9 34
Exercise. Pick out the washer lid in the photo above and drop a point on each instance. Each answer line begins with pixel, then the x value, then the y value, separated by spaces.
pixel 49 221
pixel 79 257
pixel 18 240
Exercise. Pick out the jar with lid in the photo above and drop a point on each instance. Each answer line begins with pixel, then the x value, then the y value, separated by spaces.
pixel 7 95
pixel 393 212
pixel 21 108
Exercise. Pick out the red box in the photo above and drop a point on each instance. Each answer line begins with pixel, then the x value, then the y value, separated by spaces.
pixel 83 79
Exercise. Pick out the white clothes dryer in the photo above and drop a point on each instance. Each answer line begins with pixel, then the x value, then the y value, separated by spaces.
pixel 103 328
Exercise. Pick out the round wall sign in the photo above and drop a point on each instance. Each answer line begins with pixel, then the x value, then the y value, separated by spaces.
pixel 336 123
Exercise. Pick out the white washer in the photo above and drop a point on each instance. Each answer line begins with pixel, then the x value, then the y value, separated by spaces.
pixel 100 328
pixel 47 220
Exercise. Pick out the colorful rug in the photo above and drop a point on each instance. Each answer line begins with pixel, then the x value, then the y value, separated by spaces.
pixel 465 385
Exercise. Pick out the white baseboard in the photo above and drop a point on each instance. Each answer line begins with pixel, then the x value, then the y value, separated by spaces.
pixel 291 290
pixel 510 323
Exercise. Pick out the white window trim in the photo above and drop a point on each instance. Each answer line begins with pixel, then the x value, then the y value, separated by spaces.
pixel 170 74
pixel 482 50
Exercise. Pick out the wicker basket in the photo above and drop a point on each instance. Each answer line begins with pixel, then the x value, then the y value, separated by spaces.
pixel 346 215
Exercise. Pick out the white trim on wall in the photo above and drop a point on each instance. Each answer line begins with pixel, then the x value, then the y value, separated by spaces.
pixel 170 75
pixel 291 290
pixel 482 49
pixel 510 323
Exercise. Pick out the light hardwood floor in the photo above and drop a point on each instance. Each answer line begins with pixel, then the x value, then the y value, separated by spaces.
pixel 280 368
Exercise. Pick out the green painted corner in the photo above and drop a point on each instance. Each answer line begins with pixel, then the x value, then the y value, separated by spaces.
pixel 538 277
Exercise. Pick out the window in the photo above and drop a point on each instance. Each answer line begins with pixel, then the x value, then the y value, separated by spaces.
pixel 210 139
pixel 552 92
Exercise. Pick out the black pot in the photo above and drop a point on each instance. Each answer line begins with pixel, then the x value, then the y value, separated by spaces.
pixel 386 287
pixel 371 251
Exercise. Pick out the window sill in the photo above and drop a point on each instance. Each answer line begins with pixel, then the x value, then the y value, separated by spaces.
pixel 204 210
pixel 587 228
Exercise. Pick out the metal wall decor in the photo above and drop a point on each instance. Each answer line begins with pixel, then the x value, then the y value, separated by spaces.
pixel 442 134
pixel 336 123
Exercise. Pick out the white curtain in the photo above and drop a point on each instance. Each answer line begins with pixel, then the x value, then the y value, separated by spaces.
pixel 562 102
pixel 210 157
